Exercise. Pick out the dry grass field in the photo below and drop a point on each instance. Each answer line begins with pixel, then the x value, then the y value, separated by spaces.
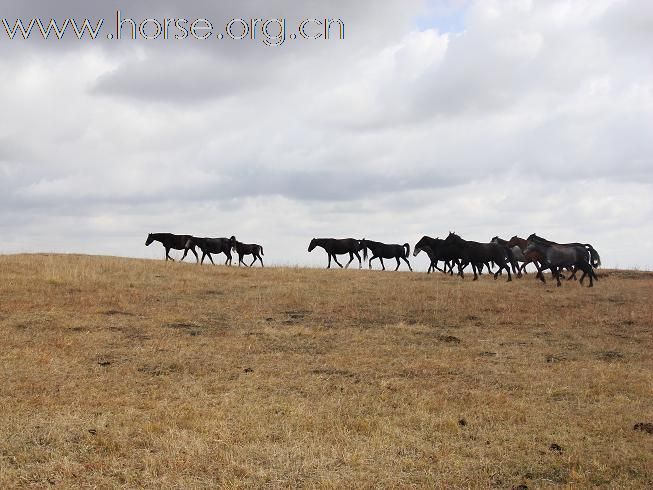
pixel 136 373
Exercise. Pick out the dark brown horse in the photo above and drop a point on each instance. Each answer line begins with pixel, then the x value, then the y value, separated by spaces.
pixel 175 242
pixel 531 257
pixel 243 249
pixel 339 246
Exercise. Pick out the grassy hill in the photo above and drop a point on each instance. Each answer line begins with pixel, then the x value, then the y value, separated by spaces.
pixel 135 373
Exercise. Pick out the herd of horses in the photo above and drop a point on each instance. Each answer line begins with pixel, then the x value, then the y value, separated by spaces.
pixel 207 246
pixel 511 256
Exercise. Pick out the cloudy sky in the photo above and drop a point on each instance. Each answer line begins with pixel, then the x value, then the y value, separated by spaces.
pixel 484 117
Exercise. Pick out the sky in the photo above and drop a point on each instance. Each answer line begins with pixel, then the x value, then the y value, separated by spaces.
pixel 481 117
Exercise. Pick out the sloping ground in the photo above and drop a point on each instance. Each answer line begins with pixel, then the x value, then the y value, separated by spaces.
pixel 135 373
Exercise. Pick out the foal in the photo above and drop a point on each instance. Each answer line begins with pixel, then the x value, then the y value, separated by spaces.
pixel 243 249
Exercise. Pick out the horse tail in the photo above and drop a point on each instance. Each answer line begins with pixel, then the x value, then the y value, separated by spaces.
pixel 594 255
pixel 261 250
pixel 407 247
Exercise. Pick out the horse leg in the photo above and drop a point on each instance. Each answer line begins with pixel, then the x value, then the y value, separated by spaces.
pixel 592 274
pixel 360 262
pixel 168 255
pixel 197 259
pixel 587 270
pixel 573 271
pixel 408 264
pixel 509 276
pixel 398 264
pixel 515 265
pixel 351 257
pixel 382 264
pixel 475 274
pixel 540 272
pixel 329 264
pixel 460 269
pixel 336 259
pixel 557 274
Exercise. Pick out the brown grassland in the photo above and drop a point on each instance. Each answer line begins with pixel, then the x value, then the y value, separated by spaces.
pixel 137 373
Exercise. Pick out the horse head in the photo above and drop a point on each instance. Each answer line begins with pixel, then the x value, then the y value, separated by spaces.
pixel 532 246
pixel 149 240
pixel 362 244
pixel 312 245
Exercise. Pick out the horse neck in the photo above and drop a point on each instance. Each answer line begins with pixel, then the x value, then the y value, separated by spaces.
pixel 321 242
pixel 373 245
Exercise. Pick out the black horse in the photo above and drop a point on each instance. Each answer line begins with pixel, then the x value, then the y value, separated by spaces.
pixel 339 246
pixel 433 257
pixel 481 253
pixel 556 256
pixel 386 251
pixel 517 255
pixel 176 242
pixel 447 252
pixel 210 246
pixel 243 249
pixel 436 249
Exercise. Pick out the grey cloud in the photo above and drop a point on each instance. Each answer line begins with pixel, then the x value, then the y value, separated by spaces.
pixel 190 78
pixel 523 122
